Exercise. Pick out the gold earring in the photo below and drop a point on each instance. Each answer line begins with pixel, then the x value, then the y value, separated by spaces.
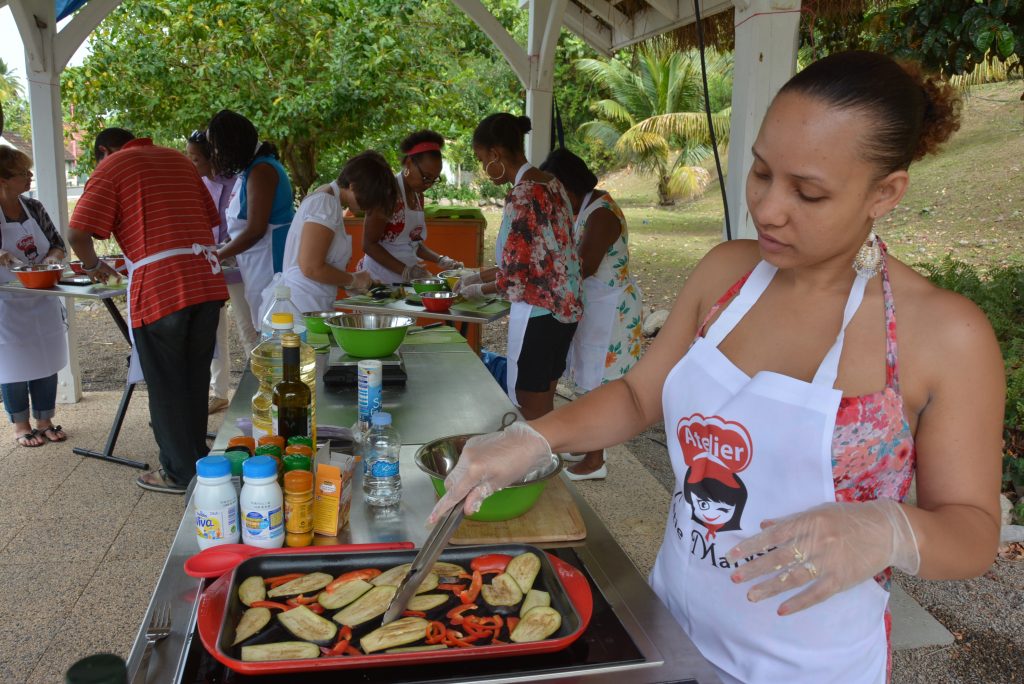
pixel 495 179
pixel 869 257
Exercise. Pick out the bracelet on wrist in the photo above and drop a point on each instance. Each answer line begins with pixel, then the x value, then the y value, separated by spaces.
pixel 93 268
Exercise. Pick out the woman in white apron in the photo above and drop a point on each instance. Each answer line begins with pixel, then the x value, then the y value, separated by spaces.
pixel 538 265
pixel 394 240
pixel 319 248
pixel 261 207
pixel 608 340
pixel 792 433
pixel 32 328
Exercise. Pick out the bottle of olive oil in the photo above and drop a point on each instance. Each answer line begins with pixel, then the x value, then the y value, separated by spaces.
pixel 292 397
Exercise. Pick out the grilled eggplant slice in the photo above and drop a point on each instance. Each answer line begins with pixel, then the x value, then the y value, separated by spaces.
pixel 253 620
pixel 524 569
pixel 448 569
pixel 304 624
pixel 502 595
pixel 307 584
pixel 427 602
pixel 417 649
pixel 252 589
pixel 283 650
pixel 538 624
pixel 533 599
pixel 343 595
pixel 401 632
pixel 370 605
pixel 394 577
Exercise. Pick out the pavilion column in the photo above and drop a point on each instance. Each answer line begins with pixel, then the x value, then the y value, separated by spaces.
pixel 545 27
pixel 767 33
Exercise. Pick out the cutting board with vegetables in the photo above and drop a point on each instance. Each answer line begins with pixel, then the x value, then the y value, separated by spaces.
pixel 481 307
pixel 554 518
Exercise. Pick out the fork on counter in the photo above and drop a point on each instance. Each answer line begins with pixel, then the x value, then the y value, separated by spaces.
pixel 159 628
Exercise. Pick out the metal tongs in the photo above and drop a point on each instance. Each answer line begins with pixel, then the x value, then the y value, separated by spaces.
pixel 424 561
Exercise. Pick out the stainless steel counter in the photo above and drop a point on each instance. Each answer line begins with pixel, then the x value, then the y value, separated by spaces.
pixel 80 291
pixel 668 655
pixel 497 310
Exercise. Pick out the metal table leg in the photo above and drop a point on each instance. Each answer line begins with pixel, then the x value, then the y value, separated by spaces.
pixel 122 408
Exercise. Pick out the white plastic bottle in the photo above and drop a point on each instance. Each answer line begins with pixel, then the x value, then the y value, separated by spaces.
pixel 215 502
pixel 282 304
pixel 262 504
pixel 382 481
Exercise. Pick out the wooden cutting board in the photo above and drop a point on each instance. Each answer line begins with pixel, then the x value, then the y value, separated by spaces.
pixel 554 518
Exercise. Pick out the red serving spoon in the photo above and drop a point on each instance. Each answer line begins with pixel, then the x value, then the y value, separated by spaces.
pixel 220 560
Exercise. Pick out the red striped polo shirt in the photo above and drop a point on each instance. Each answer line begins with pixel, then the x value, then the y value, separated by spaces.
pixel 151 199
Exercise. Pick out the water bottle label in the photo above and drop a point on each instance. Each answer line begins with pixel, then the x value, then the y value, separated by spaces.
pixel 369 382
pixel 384 469
pixel 216 524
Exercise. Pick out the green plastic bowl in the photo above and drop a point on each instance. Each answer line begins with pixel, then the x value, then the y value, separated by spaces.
pixel 316 321
pixel 429 285
pixel 369 336
pixel 439 457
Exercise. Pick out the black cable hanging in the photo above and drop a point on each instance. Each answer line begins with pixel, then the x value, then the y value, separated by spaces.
pixel 557 132
pixel 707 111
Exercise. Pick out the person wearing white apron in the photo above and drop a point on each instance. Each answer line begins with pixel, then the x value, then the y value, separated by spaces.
pixel 608 340
pixel 261 207
pixel 790 462
pixel 538 265
pixel 394 240
pixel 32 328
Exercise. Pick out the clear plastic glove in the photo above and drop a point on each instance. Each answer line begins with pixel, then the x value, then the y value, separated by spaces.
pixel 52 260
pixel 361 282
pixel 447 263
pixel 474 291
pixel 831 548
pixel 8 259
pixel 471 279
pixel 415 272
pixel 489 463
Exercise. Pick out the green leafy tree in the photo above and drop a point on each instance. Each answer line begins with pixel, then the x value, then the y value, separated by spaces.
pixel 653 114
pixel 10 86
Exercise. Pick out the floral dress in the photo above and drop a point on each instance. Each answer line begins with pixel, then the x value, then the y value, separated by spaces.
pixel 537 258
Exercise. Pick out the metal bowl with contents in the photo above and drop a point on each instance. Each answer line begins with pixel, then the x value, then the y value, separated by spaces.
pixel 438 302
pixel 453 276
pixel 38 276
pixel 422 285
pixel 369 336
pixel 439 457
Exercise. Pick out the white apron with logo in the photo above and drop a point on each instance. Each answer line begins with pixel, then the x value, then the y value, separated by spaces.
pixel 586 361
pixel 744 450
pixel 518 318
pixel 404 248
pixel 32 327
pixel 207 252
pixel 256 264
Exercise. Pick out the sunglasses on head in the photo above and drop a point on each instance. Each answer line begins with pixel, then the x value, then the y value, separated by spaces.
pixel 198 137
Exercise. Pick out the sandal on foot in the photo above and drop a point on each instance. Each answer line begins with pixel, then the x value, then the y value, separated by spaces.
pixel 158 481
pixel 22 440
pixel 57 436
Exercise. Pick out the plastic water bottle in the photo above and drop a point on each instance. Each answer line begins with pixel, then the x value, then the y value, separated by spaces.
pixel 382 482
pixel 282 304
pixel 216 504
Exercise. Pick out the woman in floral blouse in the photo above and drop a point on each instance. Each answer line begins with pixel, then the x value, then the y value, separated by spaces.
pixel 538 265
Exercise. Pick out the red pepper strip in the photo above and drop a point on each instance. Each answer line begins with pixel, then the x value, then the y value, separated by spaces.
pixel 352 650
pixel 345 633
pixel 491 562
pixel 304 600
pixel 339 646
pixel 474 628
pixel 454 638
pixel 413 613
pixel 469 595
pixel 281 579
pixel 270 604
pixel 316 608
pixel 452 587
pixel 436 632
pixel 455 615
pixel 366 574
pixel 512 622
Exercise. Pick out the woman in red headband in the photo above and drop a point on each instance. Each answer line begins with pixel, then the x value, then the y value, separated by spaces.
pixel 394 242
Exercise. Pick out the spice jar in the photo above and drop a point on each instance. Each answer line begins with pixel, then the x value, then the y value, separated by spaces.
pixel 298 508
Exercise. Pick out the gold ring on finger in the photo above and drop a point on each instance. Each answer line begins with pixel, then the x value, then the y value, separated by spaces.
pixel 809 566
pixel 798 556
pixel 784 576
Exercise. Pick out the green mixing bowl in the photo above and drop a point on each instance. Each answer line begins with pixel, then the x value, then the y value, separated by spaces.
pixel 429 285
pixel 439 457
pixel 316 321
pixel 369 336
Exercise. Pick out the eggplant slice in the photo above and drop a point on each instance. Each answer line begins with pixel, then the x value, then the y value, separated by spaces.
pixel 370 605
pixel 395 575
pixel 252 589
pixel 524 569
pixel 253 620
pixel 304 624
pixel 401 632
pixel 427 602
pixel 283 650
pixel 344 594
pixel 502 595
pixel 533 599
pixel 538 624
pixel 417 649
pixel 314 581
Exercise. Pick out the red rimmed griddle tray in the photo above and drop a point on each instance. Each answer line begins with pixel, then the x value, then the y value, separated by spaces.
pixel 220 609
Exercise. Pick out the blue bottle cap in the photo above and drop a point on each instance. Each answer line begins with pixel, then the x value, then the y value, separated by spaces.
pixel 213 466
pixel 259 466
pixel 381 418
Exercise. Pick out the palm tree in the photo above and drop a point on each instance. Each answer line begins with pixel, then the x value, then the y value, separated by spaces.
pixel 653 117
pixel 10 86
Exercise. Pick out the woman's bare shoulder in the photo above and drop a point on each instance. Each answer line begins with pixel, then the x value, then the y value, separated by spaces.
pixel 721 267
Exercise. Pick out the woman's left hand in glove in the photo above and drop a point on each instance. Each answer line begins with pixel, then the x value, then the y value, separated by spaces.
pixel 829 548
pixel 474 291
pixel 447 263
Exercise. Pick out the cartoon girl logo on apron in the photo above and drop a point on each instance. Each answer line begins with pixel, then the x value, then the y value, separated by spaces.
pixel 715 451
pixel 27 245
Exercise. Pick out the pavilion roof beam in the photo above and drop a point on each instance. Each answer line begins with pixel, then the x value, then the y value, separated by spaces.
pixel 593 32
pixel 666 8
pixel 514 54
pixel 650 23
pixel 83 23
pixel 605 10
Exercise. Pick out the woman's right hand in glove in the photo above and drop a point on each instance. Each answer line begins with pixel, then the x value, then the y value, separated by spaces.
pixel 361 282
pixel 489 463
pixel 415 272
pixel 471 279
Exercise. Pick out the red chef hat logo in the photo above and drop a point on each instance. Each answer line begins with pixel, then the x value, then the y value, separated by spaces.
pixel 714 448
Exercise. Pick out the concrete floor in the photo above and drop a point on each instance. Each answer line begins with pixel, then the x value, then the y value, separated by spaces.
pixel 84 545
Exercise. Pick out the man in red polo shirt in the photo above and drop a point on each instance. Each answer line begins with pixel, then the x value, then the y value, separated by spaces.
pixel 152 200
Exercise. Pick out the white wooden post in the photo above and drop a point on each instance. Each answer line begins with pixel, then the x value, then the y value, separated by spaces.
pixel 767 32
pixel 545 27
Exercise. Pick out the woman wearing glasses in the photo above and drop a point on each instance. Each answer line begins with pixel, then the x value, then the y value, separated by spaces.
pixel 394 241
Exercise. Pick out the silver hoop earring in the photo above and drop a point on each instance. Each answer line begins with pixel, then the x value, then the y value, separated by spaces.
pixel 868 261
pixel 495 179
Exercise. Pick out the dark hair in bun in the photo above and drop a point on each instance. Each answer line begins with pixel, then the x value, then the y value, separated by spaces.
pixel 502 130
pixel 571 171
pixel 418 137
pixel 911 113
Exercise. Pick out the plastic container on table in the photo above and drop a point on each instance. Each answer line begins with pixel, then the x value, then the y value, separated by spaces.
pixel 215 502
pixel 283 304
pixel 382 481
pixel 262 504
pixel 298 508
